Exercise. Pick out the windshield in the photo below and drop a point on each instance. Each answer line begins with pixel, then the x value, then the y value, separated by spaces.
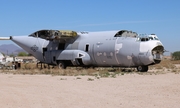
pixel 153 37
pixel 145 37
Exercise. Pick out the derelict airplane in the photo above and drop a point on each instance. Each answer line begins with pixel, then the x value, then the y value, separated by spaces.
pixel 106 48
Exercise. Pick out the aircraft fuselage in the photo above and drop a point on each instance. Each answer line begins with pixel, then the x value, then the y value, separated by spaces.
pixel 94 49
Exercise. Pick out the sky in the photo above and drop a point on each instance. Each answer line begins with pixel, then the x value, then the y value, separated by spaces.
pixel 161 17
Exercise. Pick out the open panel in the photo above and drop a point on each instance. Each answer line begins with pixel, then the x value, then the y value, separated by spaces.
pixel 54 34
pixel 126 33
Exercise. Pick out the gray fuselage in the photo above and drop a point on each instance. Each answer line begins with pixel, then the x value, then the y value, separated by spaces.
pixel 94 49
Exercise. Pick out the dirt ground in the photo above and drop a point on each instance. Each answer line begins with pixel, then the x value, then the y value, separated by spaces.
pixel 124 91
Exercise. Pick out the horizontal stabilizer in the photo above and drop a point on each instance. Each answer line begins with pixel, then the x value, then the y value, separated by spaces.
pixel 4 38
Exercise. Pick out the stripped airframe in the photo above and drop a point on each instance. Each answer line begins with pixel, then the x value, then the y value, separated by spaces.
pixel 105 48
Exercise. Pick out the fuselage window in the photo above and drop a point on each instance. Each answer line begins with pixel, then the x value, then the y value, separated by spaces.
pixel 87 48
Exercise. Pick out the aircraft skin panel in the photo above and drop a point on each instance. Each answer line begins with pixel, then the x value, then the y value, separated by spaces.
pixel 73 55
pixel 101 34
pixel 130 53
pixel 104 52
pixel 118 47
pixel 101 48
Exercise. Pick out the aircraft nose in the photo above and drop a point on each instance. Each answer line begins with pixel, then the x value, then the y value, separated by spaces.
pixel 157 53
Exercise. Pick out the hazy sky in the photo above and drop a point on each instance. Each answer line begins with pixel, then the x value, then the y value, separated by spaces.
pixel 162 17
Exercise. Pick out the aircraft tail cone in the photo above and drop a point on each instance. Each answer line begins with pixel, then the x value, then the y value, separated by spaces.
pixel 22 41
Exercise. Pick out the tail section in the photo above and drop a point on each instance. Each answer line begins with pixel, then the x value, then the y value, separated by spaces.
pixel 4 38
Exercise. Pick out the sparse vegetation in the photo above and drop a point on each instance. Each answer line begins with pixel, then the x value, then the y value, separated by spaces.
pixel 90 79
pixel 122 73
pixel 176 55
pixel 63 78
pixel 22 54
pixel 30 68
pixel 78 78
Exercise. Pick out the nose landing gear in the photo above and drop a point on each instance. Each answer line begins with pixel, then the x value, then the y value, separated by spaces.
pixel 142 68
pixel 61 65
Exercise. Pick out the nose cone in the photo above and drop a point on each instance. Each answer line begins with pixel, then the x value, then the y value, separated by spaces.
pixel 157 53
pixel 153 49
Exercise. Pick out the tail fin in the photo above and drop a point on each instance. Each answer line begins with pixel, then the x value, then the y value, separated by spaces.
pixel 4 38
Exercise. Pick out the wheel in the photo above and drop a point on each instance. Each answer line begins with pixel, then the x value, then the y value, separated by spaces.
pixel 142 68
pixel 61 65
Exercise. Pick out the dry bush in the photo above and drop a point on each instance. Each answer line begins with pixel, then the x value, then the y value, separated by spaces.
pixel 31 68
pixel 168 64
pixel 175 61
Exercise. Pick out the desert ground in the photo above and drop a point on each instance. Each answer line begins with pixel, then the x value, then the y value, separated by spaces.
pixel 126 91
pixel 158 88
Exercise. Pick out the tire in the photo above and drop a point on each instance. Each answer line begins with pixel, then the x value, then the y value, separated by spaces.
pixel 61 65
pixel 142 68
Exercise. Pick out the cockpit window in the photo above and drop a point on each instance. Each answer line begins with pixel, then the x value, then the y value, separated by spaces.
pixel 156 38
pixel 145 37
pixel 153 37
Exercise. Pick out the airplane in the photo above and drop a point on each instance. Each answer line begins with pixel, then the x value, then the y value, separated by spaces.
pixel 118 48
pixel 8 62
pixel 2 59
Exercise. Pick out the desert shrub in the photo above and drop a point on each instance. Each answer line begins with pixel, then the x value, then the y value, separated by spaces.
pixel 176 55
pixel 22 54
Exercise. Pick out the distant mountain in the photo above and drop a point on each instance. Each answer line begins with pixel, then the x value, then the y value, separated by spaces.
pixel 9 49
